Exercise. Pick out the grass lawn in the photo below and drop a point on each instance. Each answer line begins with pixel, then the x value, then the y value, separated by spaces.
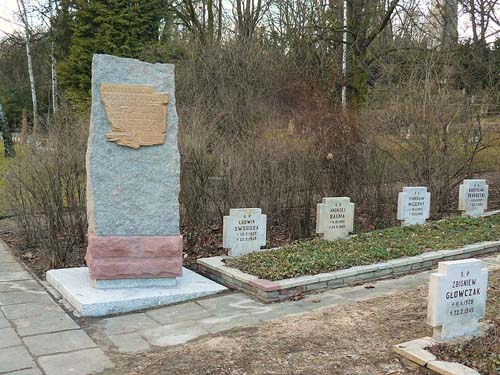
pixel 317 256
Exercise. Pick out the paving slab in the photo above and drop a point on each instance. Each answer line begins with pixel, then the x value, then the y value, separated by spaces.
pixel 13 298
pixel 215 324
pixel 82 362
pixel 47 323
pixel 231 303
pixel 127 323
pixel 6 258
pixel 15 358
pixel 14 276
pixel 130 343
pixel 26 310
pixel 11 267
pixel 174 334
pixel 9 337
pixel 179 313
pixel 59 342
pixel 31 371
pixel 19 286
pixel 4 323
pixel 74 284
pixel 277 311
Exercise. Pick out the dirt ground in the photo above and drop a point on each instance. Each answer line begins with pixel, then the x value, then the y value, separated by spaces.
pixel 354 339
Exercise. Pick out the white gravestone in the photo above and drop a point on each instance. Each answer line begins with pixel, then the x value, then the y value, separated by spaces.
pixel 414 205
pixel 244 231
pixel 457 298
pixel 473 197
pixel 335 218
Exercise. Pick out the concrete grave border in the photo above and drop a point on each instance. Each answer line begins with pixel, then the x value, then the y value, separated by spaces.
pixel 275 291
pixel 415 352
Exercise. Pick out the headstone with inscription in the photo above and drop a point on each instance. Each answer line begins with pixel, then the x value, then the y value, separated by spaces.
pixel 414 205
pixel 473 197
pixel 133 175
pixel 457 298
pixel 244 231
pixel 335 217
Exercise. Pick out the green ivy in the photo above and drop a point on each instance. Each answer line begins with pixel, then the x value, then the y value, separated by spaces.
pixel 318 256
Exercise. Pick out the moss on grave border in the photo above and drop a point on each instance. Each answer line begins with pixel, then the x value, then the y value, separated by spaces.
pixel 319 256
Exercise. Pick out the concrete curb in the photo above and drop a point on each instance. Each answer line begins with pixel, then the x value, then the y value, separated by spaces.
pixel 274 291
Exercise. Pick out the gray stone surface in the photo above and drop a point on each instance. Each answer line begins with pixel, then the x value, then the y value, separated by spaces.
pixel 127 323
pixel 59 342
pixel 82 362
pixel 9 337
pixel 26 310
pixel 31 371
pixel 215 324
pixel 11 267
pixel 174 334
pixel 230 302
pixel 4 323
pixel 13 298
pixel 18 286
pixel 179 313
pixel 6 257
pixel 15 358
pixel 130 343
pixel 74 285
pixel 30 319
pixel 46 323
pixel 132 192
pixel 14 276
pixel 157 282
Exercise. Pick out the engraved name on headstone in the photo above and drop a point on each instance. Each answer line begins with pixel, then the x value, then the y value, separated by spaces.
pixel 414 205
pixel 457 298
pixel 335 217
pixel 244 231
pixel 473 197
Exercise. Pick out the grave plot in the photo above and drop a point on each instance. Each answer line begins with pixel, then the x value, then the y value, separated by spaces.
pixel 279 274
pixel 457 301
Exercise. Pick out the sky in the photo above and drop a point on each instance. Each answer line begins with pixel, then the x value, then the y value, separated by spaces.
pixel 7 8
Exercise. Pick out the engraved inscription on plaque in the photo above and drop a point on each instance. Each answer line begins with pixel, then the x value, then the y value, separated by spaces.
pixel 137 114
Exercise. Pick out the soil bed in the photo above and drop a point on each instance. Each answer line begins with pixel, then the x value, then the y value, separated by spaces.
pixel 319 256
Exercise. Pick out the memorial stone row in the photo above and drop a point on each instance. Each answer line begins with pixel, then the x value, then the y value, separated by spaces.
pixel 245 228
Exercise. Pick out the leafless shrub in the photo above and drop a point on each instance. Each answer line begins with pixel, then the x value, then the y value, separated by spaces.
pixel 46 187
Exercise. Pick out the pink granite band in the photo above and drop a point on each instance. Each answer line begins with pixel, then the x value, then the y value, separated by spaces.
pixel 126 257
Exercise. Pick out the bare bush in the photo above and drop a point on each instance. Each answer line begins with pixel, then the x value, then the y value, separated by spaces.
pixel 46 189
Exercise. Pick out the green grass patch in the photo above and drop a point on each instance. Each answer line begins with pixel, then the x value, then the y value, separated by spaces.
pixel 318 256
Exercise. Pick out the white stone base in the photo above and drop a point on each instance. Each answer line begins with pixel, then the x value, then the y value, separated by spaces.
pixel 161 282
pixel 74 284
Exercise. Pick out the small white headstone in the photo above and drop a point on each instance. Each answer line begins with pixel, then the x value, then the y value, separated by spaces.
pixel 335 218
pixel 473 197
pixel 414 204
pixel 457 298
pixel 244 231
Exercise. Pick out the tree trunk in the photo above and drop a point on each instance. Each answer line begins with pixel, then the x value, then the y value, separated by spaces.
pixel 53 60
pixel 24 16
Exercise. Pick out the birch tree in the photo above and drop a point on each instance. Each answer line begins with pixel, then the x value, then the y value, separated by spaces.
pixel 27 33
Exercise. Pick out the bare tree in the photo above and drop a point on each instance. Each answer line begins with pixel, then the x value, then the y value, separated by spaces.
pixel 27 33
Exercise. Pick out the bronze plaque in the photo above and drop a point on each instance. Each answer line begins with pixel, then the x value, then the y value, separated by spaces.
pixel 137 114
